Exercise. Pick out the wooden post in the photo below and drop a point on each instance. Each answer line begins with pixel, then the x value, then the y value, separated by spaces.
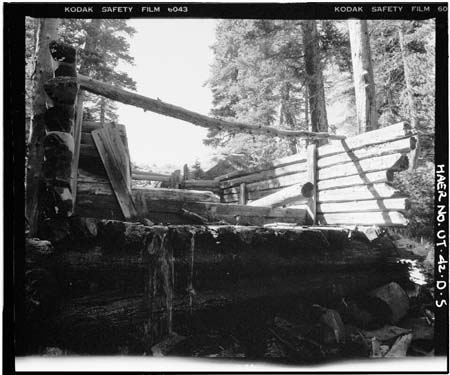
pixel 311 161
pixel 77 142
pixel 186 173
pixel 243 194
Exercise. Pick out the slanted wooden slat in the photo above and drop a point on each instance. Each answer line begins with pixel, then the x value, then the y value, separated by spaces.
pixel 393 204
pixel 265 175
pixel 281 162
pixel 395 162
pixel 403 146
pixel 386 219
pixel 362 192
pixel 77 141
pixel 378 136
pixel 112 153
pixel 363 179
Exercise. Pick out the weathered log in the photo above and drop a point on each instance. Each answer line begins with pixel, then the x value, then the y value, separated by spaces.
pixel 404 145
pixel 286 195
pixel 175 194
pixel 58 153
pixel 150 176
pixel 393 163
pixel 59 118
pixel 265 175
pixel 360 192
pixel 200 184
pixel 281 162
pixel 157 106
pixel 378 136
pixel 363 179
pixel 251 195
pixel 272 183
pixel 214 212
pixel 363 218
pixel 393 204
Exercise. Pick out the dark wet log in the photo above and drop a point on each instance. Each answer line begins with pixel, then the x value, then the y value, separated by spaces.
pixel 135 283
pixel 60 118
pixel 157 106
pixel 58 153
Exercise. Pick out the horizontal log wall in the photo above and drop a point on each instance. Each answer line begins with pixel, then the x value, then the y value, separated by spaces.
pixel 262 182
pixel 353 177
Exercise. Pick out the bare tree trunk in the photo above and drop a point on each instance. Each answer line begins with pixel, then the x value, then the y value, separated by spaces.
pixel 286 115
pixel 363 76
pixel 313 67
pixel 409 90
pixel 43 72
pixel 102 110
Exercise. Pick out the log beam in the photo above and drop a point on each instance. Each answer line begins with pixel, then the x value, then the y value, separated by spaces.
pixel 285 196
pixel 166 109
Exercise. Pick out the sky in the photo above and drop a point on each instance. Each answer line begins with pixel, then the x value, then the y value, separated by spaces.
pixel 172 63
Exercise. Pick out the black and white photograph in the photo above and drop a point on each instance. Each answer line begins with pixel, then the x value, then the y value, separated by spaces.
pixel 226 187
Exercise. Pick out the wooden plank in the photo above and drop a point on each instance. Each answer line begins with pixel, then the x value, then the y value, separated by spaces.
pixel 363 179
pixel 363 192
pixel 109 149
pixel 77 141
pixel 85 176
pixel 403 146
pixel 181 195
pixel 281 162
pixel 285 196
pixel 378 136
pixel 265 175
pixel 387 219
pixel 393 162
pixel 242 194
pixel 393 204
pixel 311 155
pixel 278 182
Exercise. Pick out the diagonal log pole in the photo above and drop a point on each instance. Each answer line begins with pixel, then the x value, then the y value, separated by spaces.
pixel 157 106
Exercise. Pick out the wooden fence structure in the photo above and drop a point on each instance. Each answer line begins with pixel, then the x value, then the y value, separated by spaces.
pixel 344 182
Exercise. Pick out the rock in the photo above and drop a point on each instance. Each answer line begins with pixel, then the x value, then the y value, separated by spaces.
pixel 396 298
pixel 165 346
pixel 400 346
pixel 386 333
pixel 420 328
pixel 331 322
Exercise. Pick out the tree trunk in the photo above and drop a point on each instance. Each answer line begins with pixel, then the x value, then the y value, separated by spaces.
pixel 363 76
pixel 43 72
pixel 313 66
pixel 286 115
pixel 409 90
pixel 155 105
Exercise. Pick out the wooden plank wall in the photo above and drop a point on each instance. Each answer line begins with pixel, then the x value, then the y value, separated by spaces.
pixel 353 178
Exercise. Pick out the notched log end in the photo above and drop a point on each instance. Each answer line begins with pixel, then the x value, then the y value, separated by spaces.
pixel 62 52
